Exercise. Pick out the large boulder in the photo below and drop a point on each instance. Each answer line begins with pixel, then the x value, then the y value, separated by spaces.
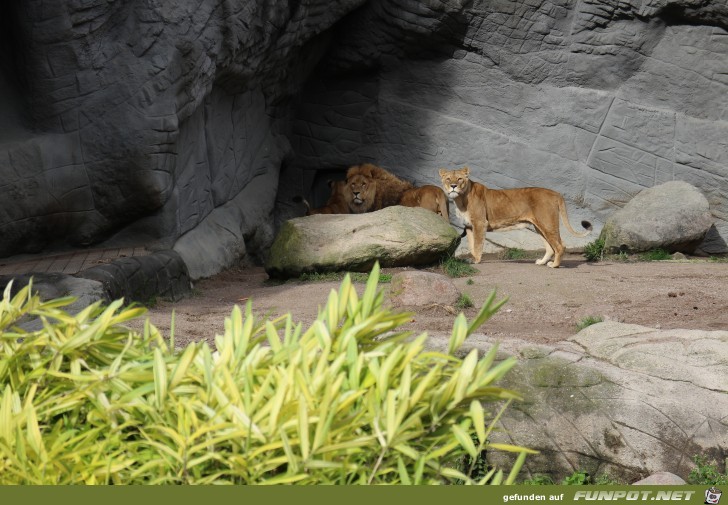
pixel 394 236
pixel 617 399
pixel 674 216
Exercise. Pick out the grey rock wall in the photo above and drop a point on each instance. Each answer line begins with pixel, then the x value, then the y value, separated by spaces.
pixel 594 98
pixel 143 122
pixel 133 120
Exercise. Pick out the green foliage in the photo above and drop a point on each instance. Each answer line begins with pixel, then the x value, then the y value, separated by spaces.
pixel 349 400
pixel 622 256
pixel 470 282
pixel 358 277
pixel 455 267
pixel 539 480
pixel 706 474
pixel 604 480
pixel 655 255
pixel 588 321
pixel 464 301
pixel 513 253
pixel 578 478
pixel 594 251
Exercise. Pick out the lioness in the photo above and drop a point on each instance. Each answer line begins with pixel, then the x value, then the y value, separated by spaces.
pixel 485 209
pixel 336 204
pixel 371 188
pixel 428 197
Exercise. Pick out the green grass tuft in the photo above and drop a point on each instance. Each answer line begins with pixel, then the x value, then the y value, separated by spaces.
pixel 455 267
pixel 655 255
pixel 588 321
pixel 706 474
pixel 464 302
pixel 594 251
pixel 513 253
pixel 358 277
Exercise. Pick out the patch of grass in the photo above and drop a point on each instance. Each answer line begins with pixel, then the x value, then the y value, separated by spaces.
pixel 513 253
pixel 455 267
pixel 464 302
pixel 470 282
pixel 718 259
pixel 539 480
pixel 655 255
pixel 359 277
pixel 706 474
pixel 578 478
pixel 588 321
pixel 594 251
pixel 622 256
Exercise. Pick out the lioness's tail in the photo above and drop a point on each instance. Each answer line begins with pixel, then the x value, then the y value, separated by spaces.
pixel 567 224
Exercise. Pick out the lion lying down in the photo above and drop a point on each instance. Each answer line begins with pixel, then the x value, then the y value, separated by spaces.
pixel 428 197
pixel 484 209
pixel 336 204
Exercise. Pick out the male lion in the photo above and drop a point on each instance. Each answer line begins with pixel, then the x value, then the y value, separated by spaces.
pixel 428 197
pixel 485 209
pixel 336 204
pixel 371 188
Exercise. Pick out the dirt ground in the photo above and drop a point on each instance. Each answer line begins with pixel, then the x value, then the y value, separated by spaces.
pixel 544 304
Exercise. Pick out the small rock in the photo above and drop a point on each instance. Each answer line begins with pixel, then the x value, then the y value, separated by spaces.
pixel 661 479
pixel 416 288
pixel 679 256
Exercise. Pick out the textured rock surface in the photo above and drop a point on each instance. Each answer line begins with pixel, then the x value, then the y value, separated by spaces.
pixel 132 122
pixel 55 285
pixel 415 288
pixel 394 236
pixel 142 279
pixel 594 98
pixel 661 479
pixel 674 216
pixel 137 119
pixel 620 399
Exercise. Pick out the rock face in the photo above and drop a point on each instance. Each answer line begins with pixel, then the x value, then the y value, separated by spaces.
pixel 674 216
pixel 143 122
pixel 621 399
pixel 415 288
pixel 594 98
pixel 394 236
pixel 135 120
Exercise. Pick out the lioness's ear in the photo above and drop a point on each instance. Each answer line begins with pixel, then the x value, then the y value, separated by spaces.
pixel 466 170
pixel 442 172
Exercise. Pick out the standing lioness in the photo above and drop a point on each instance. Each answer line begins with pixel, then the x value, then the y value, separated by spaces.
pixel 485 209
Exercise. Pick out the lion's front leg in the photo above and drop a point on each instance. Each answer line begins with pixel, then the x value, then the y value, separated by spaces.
pixel 476 237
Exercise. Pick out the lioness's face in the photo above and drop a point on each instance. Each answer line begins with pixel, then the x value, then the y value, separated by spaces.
pixel 455 182
pixel 361 190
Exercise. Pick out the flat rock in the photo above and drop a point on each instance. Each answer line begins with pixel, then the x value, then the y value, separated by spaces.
pixel 394 236
pixel 616 399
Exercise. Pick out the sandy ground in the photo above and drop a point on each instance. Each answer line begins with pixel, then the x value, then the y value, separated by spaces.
pixel 544 304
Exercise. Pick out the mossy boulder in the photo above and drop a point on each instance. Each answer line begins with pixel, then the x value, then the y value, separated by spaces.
pixel 394 236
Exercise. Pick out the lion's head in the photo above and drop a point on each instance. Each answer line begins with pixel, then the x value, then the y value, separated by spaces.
pixel 361 188
pixel 455 182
